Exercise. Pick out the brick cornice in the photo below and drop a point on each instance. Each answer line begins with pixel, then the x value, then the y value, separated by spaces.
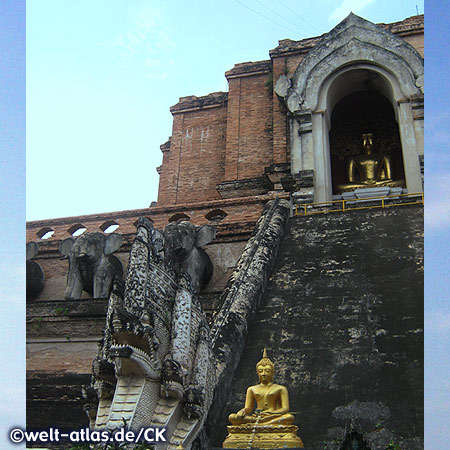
pixel 247 69
pixel 410 26
pixel 194 103
pixel 156 210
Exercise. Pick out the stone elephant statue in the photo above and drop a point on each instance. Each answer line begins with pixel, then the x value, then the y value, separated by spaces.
pixel 92 267
pixel 35 274
pixel 182 242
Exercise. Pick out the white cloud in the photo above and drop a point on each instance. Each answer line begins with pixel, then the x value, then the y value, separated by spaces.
pixel 348 6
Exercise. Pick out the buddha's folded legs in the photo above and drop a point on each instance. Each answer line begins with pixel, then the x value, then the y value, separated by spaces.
pixel 286 419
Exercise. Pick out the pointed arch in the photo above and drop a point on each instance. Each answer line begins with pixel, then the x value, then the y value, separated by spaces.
pixel 331 70
pixel 355 40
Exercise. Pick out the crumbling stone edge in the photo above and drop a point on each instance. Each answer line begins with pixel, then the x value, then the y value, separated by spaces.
pixel 240 301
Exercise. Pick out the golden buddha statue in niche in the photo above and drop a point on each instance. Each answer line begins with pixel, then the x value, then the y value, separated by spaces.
pixel 270 424
pixel 369 168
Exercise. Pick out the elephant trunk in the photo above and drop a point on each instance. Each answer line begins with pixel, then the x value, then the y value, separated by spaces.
pixel 175 252
pixel 86 258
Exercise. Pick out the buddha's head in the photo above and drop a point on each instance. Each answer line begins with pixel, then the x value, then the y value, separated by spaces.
pixel 265 369
pixel 367 142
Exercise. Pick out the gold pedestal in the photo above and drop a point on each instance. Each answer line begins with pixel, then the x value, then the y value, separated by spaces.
pixel 340 188
pixel 262 436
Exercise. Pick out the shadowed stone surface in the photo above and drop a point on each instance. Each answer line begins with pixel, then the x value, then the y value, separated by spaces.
pixel 56 396
pixel 342 319
pixel 241 299
pixel 55 400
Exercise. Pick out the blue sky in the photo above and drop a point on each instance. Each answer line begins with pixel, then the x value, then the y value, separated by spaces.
pixel 437 221
pixel 101 76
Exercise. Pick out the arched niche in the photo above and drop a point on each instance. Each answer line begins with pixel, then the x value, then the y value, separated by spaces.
pixel 361 102
pixel 354 54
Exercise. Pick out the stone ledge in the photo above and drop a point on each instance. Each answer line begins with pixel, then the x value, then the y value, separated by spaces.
pixel 411 25
pixel 86 307
pixel 191 103
pixel 156 210
pixel 302 179
pixel 165 147
pixel 286 46
pixel 244 188
pixel 249 68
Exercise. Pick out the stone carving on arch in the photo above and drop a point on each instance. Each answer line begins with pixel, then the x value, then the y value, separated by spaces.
pixel 355 40
pixel 355 44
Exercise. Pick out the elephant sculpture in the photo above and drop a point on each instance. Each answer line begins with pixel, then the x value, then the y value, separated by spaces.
pixel 92 267
pixel 35 274
pixel 182 242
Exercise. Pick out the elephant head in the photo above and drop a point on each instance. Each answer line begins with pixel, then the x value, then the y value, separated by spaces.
pixel 92 267
pixel 35 274
pixel 182 242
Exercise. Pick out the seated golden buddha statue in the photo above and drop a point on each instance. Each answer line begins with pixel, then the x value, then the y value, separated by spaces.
pixel 369 169
pixel 270 424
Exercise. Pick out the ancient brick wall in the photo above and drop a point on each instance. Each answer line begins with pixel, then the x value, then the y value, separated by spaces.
pixel 417 42
pixel 62 341
pixel 225 214
pixel 234 220
pixel 54 400
pixel 193 164
pixel 342 320
pixel 285 59
pixel 249 121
